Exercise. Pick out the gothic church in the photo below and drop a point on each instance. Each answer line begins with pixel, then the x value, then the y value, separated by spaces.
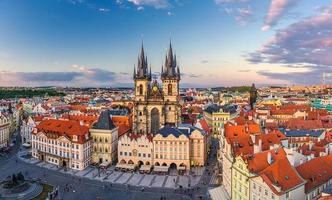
pixel 156 106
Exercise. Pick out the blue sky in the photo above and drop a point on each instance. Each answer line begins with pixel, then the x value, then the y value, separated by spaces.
pixel 217 42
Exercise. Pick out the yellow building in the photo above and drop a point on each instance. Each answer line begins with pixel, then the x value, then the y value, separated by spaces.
pixel 105 140
pixel 216 116
pixel 270 101
pixel 240 179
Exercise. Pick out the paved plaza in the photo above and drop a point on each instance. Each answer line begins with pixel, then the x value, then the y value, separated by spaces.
pixel 125 178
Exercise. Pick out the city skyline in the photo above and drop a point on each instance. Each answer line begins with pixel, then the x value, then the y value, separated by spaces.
pixel 218 43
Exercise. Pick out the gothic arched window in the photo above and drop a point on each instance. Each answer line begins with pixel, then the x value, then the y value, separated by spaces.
pixel 141 89
pixel 169 89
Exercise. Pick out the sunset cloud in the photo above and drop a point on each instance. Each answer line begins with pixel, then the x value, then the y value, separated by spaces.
pixel 307 43
pixel 277 9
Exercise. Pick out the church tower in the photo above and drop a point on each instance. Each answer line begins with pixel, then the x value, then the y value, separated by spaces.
pixel 156 106
pixel 142 77
pixel 170 76
pixel 253 96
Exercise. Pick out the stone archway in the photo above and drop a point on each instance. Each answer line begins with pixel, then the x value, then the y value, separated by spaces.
pixel 155 120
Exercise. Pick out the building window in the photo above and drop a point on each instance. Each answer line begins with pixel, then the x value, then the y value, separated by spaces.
pixel 169 89
pixel 141 89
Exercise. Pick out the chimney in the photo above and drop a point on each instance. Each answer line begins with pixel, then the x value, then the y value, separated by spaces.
pixel 257 147
pixel 269 158
pixel 310 145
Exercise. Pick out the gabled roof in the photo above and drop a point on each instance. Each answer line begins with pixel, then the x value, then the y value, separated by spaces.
pixel 296 123
pixel 316 171
pixel 281 174
pixel 64 128
pixel 278 173
pixel 104 122
pixel 271 138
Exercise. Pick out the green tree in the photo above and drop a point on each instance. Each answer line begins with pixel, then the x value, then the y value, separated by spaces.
pixel 20 176
pixel 14 179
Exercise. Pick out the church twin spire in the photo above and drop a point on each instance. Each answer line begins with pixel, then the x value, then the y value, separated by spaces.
pixel 170 70
pixel 142 66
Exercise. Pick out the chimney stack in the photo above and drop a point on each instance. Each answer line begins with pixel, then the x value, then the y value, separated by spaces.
pixel 269 158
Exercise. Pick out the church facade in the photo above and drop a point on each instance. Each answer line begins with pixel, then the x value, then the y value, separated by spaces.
pixel 156 105
pixel 158 138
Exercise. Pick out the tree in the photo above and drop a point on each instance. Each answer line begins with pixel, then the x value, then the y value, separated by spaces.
pixel 20 176
pixel 14 179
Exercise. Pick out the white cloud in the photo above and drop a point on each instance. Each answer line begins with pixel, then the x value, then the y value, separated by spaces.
pixel 158 4
pixel 104 9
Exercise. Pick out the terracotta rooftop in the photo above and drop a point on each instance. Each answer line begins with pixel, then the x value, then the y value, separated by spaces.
pixel 64 128
pixel 316 171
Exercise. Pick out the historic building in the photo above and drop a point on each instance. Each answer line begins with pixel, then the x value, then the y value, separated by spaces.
pixel 253 95
pixel 154 105
pixel 4 130
pixel 135 150
pixel 158 137
pixel 63 143
pixel 105 139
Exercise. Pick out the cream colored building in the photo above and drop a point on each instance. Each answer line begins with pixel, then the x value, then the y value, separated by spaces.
pixel 180 147
pixel 135 149
pixel 104 140
pixel 4 130
pixel 63 143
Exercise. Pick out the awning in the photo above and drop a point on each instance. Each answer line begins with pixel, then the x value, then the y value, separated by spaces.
pixel 26 145
pixel 182 168
pixel 104 164
pixel 160 168
pixel 125 166
pixel 145 168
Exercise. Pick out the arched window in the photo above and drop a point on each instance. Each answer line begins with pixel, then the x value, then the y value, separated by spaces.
pixel 141 89
pixel 140 113
pixel 169 89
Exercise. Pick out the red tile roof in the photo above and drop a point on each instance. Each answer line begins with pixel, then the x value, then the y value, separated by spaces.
pixel 278 173
pixel 86 119
pixel 294 124
pixel 64 128
pixel 316 172
pixel 281 174
pixel 271 138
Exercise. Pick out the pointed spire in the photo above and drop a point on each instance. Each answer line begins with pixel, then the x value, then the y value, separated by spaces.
pixel 134 75
pixel 142 64
pixel 150 72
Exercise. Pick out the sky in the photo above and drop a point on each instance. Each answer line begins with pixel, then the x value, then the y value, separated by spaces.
pixel 95 43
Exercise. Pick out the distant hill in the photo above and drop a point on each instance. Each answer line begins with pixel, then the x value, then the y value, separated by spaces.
pixel 27 93
pixel 232 89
